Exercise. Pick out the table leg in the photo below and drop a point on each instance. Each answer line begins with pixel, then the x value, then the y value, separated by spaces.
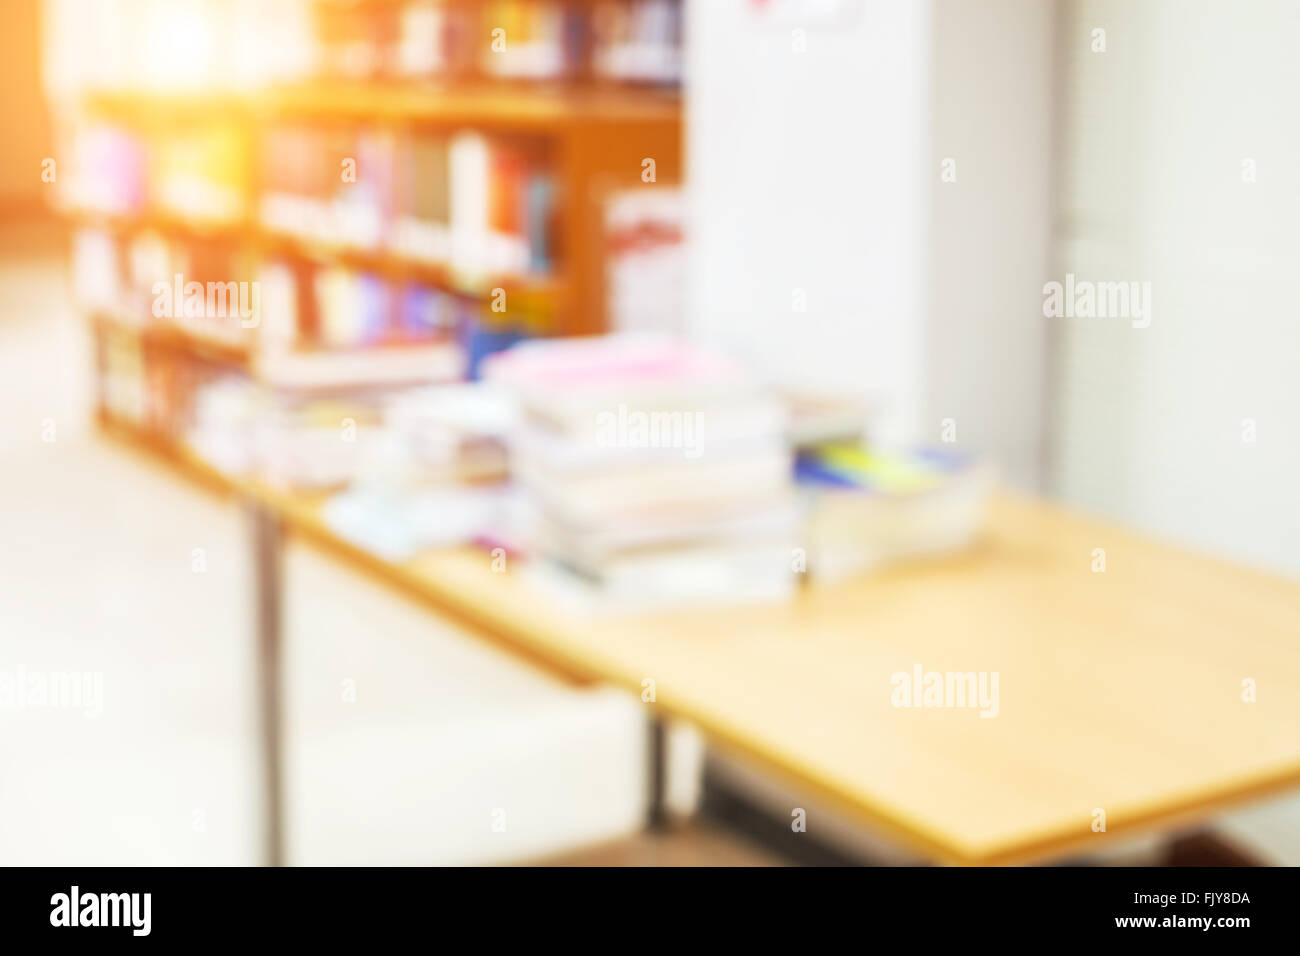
pixel 267 535
pixel 656 815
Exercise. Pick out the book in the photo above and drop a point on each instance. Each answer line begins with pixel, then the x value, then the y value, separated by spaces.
pixel 358 368
pixel 704 577
pixel 635 496
pixel 869 507
pixel 711 486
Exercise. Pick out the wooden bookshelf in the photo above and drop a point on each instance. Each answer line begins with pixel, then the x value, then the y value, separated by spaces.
pixel 393 266
pixel 599 138
pixel 594 141
pixel 267 242
pixel 164 222
pixel 545 109
pixel 169 336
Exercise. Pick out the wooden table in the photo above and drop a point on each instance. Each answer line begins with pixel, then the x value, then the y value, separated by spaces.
pixel 1118 691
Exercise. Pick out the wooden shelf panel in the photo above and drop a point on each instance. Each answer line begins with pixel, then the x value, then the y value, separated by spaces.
pixel 547 288
pixel 179 339
pixel 286 370
pixel 171 223
pixel 392 265
pixel 525 107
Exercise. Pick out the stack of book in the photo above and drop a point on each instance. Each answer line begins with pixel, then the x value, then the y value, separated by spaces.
pixel 454 432
pixel 435 477
pixel 422 223
pixel 658 472
pixel 870 506
pixel 302 439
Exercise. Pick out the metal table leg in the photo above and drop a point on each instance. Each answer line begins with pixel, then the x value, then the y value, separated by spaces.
pixel 656 814
pixel 267 539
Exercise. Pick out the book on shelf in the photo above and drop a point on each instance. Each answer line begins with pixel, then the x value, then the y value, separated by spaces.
pixel 198 175
pixel 327 184
pixel 148 281
pixel 638 40
pixel 419 52
pixel 422 227
pixel 121 379
pixel 361 367
pixel 107 172
pixel 501 210
pixel 96 270
pixel 646 260
pixel 113 44
pixel 616 41
pixel 529 39
pixel 476 205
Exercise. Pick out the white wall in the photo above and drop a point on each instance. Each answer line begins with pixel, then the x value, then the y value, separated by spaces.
pixel 820 171
pixel 807 171
pixel 986 347
pixel 1149 422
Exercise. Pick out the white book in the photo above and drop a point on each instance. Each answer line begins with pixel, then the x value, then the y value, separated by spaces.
pixel 346 368
pixel 614 495
pixel 689 578
pixel 624 435
pixel 778 522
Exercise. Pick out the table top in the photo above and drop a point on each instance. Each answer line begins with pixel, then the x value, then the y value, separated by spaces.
pixel 1120 691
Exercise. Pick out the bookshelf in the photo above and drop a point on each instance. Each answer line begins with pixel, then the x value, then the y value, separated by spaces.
pixel 196 173
pixel 599 140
